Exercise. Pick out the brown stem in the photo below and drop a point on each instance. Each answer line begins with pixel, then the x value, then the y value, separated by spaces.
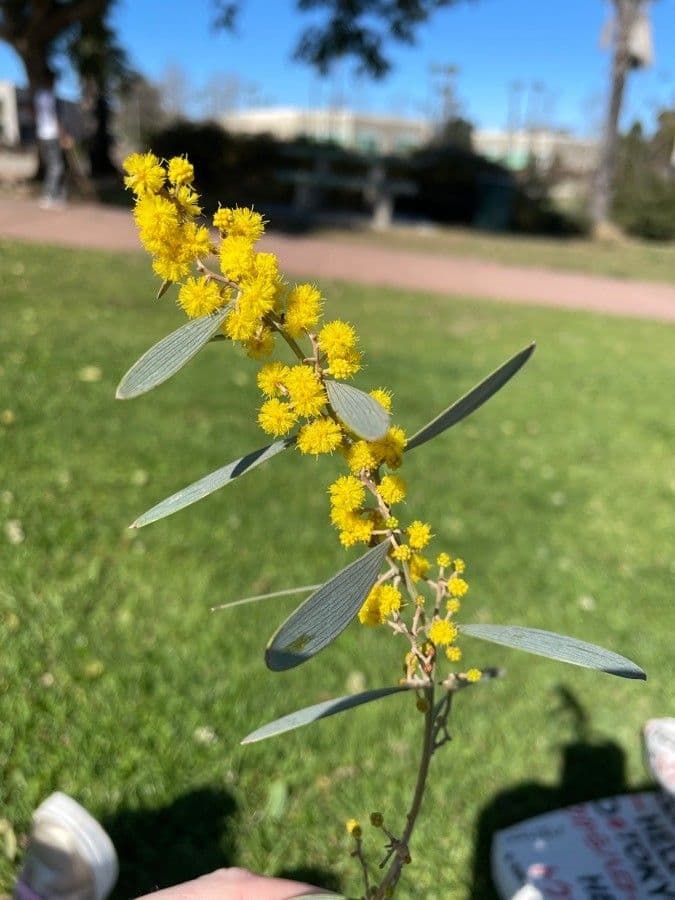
pixel 290 341
pixel 394 872
pixel 358 853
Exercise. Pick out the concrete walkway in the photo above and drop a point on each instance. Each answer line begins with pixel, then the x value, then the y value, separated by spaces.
pixel 315 257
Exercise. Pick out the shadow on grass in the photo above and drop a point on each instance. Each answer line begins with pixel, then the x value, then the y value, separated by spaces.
pixel 165 846
pixel 192 836
pixel 590 770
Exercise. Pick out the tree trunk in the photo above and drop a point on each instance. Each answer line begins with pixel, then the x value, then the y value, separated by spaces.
pixel 601 198
pixel 100 145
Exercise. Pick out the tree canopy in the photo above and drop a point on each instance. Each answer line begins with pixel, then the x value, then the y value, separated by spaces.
pixel 360 29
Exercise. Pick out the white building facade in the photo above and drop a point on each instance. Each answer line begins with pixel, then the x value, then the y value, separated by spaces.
pixel 353 130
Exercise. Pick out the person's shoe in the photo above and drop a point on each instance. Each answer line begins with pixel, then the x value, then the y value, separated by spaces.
pixel 69 855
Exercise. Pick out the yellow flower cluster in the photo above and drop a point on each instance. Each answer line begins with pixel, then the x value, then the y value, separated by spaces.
pixel 338 341
pixel 442 632
pixel 294 392
pixel 381 602
pixel 261 308
pixel 165 210
pixel 354 524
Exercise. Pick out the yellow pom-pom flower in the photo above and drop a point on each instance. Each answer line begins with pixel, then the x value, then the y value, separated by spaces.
pixel 419 566
pixel 271 379
pixel 392 489
pixel 222 219
pixel 457 587
pixel 267 266
pixel 360 457
pixel 320 436
pixel 389 449
pixel 369 614
pixel 459 565
pixel 402 552
pixel 258 293
pixel 419 534
pixel 305 390
pixel 390 600
pixel 454 654
pixel 261 345
pixel 337 338
pixel 443 560
pixel 473 675
pixel 453 606
pixel 199 297
pixel 276 417
pixel 303 307
pixel 237 258
pixel 241 325
pixel 246 223
pixel 354 528
pixel 180 171
pixel 381 602
pixel 345 366
pixel 144 175
pixel 347 493
pixel 383 397
pixel 442 632
pixel 158 223
pixel 196 241
pixel 169 268
pixel 187 199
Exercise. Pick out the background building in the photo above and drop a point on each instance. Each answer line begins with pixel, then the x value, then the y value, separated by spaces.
pixel 355 131
pixel 545 147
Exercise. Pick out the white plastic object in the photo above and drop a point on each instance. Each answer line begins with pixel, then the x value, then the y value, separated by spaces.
pixel 659 738
pixel 90 839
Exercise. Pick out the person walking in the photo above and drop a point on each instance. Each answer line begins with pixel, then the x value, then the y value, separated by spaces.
pixel 52 140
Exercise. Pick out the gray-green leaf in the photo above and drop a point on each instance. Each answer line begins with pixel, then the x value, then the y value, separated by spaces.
pixel 360 412
pixel 319 711
pixel 463 407
pixel 210 483
pixel 323 616
pixel 169 355
pixel 556 646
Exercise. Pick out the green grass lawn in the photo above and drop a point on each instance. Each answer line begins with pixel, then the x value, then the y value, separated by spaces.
pixel 118 685
pixel 631 259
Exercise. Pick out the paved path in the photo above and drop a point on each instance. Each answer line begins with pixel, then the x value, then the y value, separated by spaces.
pixel 316 257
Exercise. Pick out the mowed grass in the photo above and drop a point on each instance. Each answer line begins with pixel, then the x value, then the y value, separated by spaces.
pixel 120 687
pixel 629 259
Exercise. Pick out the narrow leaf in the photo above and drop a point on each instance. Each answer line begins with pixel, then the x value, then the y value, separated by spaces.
pixel 463 407
pixel 169 355
pixel 323 616
pixel 360 412
pixel 319 711
pixel 163 289
pixel 556 646
pixel 210 483
pixel 285 593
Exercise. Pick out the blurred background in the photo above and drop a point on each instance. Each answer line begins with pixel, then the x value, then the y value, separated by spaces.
pixel 499 116
pixel 459 178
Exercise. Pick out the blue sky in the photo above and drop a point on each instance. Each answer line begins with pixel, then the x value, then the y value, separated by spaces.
pixel 494 43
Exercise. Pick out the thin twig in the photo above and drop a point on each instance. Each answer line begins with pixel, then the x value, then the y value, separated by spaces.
pixel 402 856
